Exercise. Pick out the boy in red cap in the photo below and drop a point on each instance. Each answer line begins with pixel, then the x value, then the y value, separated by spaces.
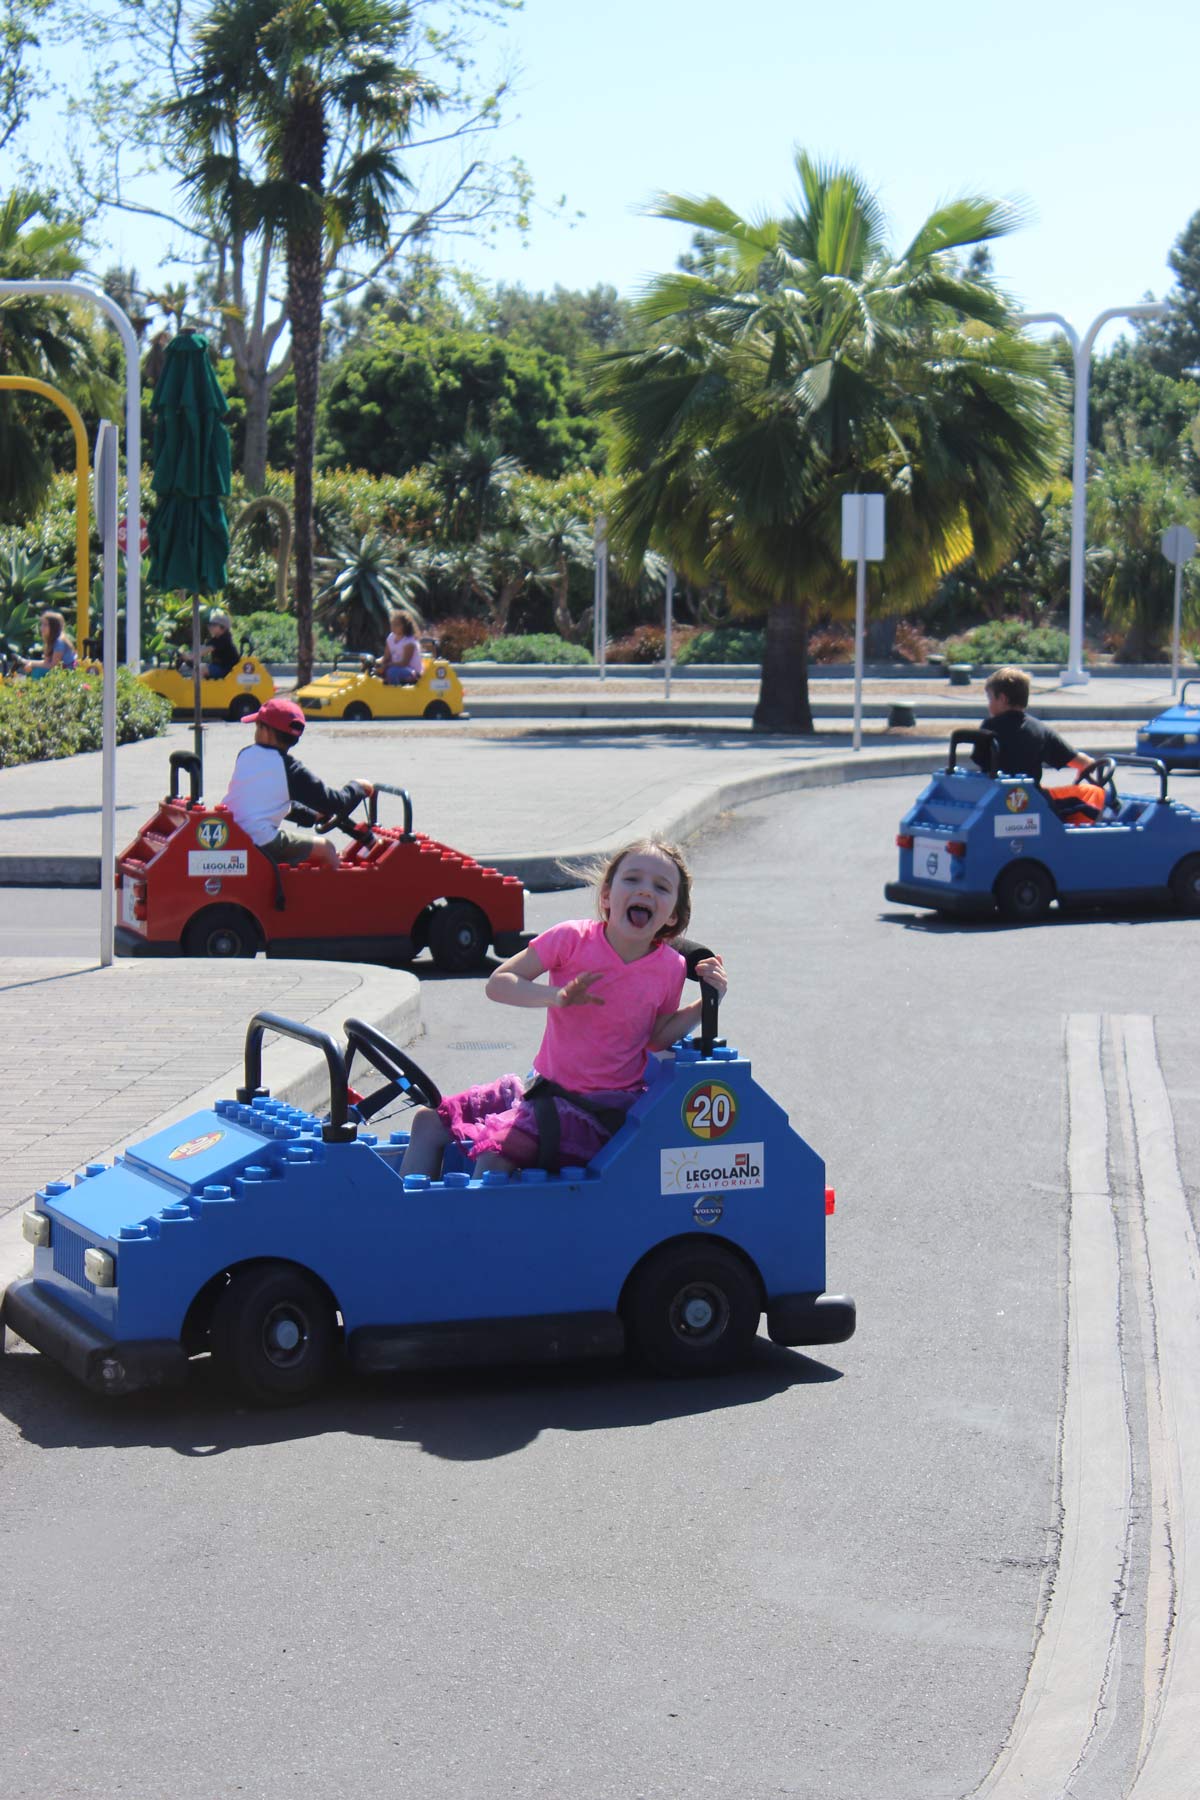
pixel 267 782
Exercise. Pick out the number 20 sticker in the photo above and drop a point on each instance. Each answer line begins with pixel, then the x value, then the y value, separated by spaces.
pixel 710 1110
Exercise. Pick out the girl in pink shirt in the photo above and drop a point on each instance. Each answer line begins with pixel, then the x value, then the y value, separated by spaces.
pixel 612 998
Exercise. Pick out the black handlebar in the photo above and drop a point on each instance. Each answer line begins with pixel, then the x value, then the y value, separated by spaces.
pixel 402 794
pixel 339 1130
pixel 978 740
pixel 1149 763
pixel 693 953
pixel 185 759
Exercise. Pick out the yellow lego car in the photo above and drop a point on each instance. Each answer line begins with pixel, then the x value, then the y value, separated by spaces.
pixel 247 687
pixel 359 693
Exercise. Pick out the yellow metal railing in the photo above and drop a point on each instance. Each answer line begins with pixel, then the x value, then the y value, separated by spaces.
pixel 30 385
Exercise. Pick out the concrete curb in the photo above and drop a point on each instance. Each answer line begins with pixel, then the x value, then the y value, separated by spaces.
pixel 549 870
pixel 291 1070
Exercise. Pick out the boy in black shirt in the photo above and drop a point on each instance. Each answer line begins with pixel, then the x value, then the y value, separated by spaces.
pixel 1025 745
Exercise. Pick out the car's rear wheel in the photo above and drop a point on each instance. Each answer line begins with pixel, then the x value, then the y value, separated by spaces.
pixel 273 1334
pixel 239 707
pixel 459 936
pixel 357 709
pixel 221 931
pixel 692 1309
pixel 1185 883
pixel 1024 892
pixel 437 709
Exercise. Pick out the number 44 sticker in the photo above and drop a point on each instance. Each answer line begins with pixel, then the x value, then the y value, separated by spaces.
pixel 710 1110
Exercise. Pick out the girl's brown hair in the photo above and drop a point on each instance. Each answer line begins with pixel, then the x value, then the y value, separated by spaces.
pixel 57 624
pixel 606 875
pixel 406 622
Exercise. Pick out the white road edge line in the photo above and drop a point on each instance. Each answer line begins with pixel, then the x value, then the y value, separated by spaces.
pixel 1169 1769
pixel 1065 1686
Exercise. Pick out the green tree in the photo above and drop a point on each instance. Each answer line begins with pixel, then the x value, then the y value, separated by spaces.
pixel 19 84
pixel 1132 402
pixel 49 340
pixel 1174 345
pixel 807 361
pixel 152 98
pixel 405 394
pixel 1131 502
pixel 293 80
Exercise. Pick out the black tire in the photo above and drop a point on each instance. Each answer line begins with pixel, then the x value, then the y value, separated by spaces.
pixel 459 936
pixel 1185 883
pixel 1024 892
pixel 221 931
pixel 692 1309
pixel 273 1334
pixel 357 709
pixel 239 707
pixel 437 709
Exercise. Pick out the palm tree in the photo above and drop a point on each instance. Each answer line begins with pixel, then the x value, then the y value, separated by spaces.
pixel 49 340
pixel 802 360
pixel 288 77
pixel 1131 502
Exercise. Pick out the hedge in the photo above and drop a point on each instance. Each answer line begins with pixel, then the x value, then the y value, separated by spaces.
pixel 60 715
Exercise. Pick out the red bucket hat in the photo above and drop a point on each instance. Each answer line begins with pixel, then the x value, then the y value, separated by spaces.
pixel 280 715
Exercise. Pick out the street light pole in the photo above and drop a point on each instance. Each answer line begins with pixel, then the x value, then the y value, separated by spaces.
pixel 1081 353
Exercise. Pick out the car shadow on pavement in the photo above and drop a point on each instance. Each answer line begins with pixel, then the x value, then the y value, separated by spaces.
pixel 938 925
pixel 456 1415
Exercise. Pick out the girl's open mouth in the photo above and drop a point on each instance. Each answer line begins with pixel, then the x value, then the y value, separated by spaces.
pixel 638 916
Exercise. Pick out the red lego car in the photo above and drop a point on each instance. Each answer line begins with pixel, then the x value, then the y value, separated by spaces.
pixel 192 883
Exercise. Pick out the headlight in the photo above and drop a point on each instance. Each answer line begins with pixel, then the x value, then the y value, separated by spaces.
pixel 35 1228
pixel 100 1268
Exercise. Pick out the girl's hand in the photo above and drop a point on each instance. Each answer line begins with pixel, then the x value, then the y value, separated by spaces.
pixel 712 970
pixel 577 992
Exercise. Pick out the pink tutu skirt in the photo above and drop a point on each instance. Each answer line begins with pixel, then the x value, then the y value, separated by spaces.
pixel 496 1118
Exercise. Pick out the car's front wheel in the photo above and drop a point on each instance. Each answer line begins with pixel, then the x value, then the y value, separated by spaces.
pixel 459 936
pixel 692 1309
pixel 273 1334
pixel 240 706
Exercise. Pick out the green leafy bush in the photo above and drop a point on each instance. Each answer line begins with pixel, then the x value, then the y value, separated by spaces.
pixel 535 647
pixel 272 637
pixel 1009 641
pixel 725 644
pixel 60 715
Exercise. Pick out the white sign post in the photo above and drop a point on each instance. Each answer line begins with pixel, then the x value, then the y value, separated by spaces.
pixel 862 542
pixel 600 595
pixel 669 610
pixel 106 513
pixel 1178 546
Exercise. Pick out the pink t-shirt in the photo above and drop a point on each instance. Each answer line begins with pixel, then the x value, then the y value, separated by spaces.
pixel 593 1048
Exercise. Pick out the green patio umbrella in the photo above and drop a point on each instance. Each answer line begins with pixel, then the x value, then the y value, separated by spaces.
pixel 189 533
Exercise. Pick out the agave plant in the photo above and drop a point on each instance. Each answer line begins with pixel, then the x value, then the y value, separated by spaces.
pixel 25 581
pixel 365 580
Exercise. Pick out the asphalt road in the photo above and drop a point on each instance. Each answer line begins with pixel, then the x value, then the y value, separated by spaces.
pixel 822 1577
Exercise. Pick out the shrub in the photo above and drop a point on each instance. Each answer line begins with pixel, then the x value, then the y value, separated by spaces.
pixel 535 647
pixel 458 634
pixel 725 644
pixel 911 645
pixel 648 644
pixel 1009 641
pixel 830 644
pixel 272 637
pixel 60 715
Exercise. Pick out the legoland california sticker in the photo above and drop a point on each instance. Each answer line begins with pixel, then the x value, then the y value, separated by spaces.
pixel 696 1171
pixel 194 1146
pixel 710 1110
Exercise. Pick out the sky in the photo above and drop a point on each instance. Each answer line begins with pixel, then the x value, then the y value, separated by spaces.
pixel 1081 113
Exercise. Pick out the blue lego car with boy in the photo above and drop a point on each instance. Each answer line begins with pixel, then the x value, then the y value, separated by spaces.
pixel 1173 736
pixel 977 843
pixel 277 1242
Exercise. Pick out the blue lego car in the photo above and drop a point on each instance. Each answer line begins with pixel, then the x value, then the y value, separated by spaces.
pixel 1173 736
pixel 977 843
pixel 274 1241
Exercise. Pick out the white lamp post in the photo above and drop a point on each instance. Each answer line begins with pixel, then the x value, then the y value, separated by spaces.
pixel 1074 674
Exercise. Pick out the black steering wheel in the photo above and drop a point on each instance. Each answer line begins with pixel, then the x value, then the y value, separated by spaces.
pixel 1102 770
pixel 402 1074
pixel 355 828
